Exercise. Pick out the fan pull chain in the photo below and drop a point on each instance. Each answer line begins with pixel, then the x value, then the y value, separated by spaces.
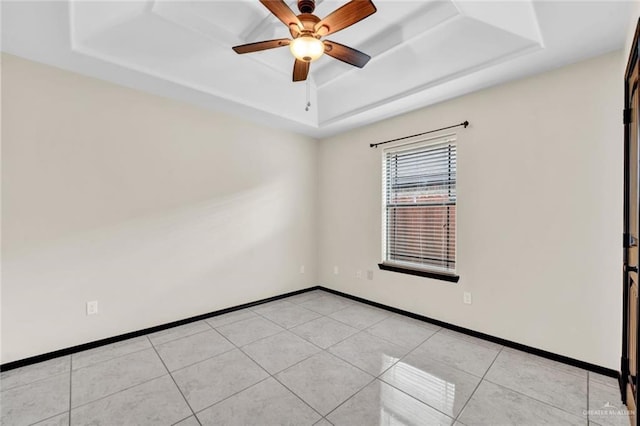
pixel 308 96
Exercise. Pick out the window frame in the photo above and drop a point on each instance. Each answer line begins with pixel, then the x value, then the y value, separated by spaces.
pixel 449 275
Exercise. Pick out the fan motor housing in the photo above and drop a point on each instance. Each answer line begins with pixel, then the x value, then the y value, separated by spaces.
pixel 308 21
pixel 306 6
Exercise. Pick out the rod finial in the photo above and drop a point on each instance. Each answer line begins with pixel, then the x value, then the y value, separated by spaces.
pixel 465 124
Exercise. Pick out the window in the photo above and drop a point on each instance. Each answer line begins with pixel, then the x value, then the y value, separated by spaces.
pixel 420 208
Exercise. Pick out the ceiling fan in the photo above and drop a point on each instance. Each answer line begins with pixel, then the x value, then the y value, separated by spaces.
pixel 307 30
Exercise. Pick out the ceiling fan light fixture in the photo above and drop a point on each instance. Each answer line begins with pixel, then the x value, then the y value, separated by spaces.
pixel 307 31
pixel 306 48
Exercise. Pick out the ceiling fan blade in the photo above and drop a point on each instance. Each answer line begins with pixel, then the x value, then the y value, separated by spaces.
pixel 344 16
pixel 300 70
pixel 261 45
pixel 346 54
pixel 280 9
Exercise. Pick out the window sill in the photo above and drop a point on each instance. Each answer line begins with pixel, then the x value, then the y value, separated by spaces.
pixel 420 273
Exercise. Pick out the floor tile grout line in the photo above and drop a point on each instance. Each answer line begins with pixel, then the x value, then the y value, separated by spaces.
pixel 598 382
pixel 355 366
pixel 13 388
pixel 70 385
pixel 348 362
pixel 365 332
pixel 290 390
pixel 115 357
pixel 533 398
pixel 47 418
pixel 247 319
pixel 477 386
pixel 245 388
pixel 118 391
pixel 202 360
pixel 298 396
pixel 413 397
pixel 341 340
pixel 155 346
pixel 333 344
pixel 548 363
pixel 351 396
pixel 266 337
pixel 294 326
pixel 588 390
pixel 298 362
pixel 293 332
pixel 362 329
pixel 444 364
pixel 173 380
pixel 269 375
pixel 412 349
pixel 3 389
pixel 327 315
pixel 230 396
pixel 234 347
pixel 188 417
pixel 548 404
pixel 177 338
pixel 507 350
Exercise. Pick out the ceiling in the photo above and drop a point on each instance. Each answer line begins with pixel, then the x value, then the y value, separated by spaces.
pixel 422 52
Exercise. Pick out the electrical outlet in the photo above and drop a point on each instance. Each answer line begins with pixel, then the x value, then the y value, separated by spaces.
pixel 92 307
pixel 302 269
pixel 336 271
pixel 369 275
pixel 359 274
pixel 467 298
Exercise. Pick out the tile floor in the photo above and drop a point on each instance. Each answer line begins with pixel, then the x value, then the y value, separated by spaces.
pixel 314 358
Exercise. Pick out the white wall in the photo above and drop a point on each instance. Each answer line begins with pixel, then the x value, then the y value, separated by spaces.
pixel 156 209
pixel 539 212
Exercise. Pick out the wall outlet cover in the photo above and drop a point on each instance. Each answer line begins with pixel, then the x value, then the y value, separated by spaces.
pixel 92 307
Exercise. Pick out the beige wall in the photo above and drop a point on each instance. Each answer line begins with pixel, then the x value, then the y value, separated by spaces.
pixel 539 212
pixel 156 209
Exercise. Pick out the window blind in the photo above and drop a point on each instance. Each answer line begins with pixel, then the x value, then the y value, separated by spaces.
pixel 420 205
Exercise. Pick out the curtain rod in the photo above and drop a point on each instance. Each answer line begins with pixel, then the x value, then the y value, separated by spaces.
pixel 464 123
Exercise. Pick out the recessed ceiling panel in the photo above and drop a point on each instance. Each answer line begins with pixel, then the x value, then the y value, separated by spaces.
pixel 457 48
pixel 422 51
pixel 171 41
pixel 394 24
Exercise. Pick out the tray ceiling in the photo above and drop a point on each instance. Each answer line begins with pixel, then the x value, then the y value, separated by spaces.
pixel 422 52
